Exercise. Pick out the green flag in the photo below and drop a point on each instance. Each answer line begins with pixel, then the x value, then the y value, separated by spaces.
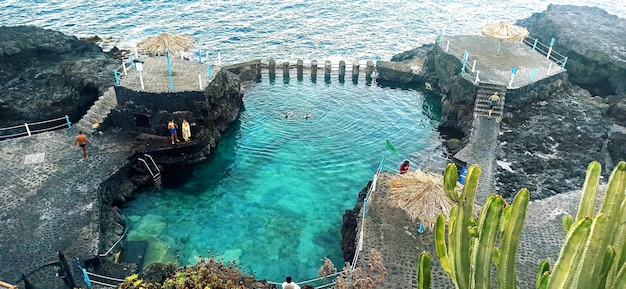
pixel 391 147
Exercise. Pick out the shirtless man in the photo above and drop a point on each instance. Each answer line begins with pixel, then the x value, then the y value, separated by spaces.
pixel 81 140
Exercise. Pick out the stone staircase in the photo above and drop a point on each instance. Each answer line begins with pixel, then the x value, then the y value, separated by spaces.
pixel 481 105
pixel 98 111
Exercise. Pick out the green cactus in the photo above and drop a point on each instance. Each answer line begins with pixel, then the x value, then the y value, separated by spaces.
pixel 423 271
pixel 593 254
pixel 471 247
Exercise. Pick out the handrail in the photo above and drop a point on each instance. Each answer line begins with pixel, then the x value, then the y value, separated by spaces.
pixel 28 131
pixel 105 277
pixel 115 244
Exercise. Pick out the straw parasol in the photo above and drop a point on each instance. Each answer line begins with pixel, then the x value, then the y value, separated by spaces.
pixel 505 31
pixel 166 42
pixel 421 195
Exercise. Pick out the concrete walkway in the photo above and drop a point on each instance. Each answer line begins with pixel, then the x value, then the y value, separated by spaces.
pixel 49 199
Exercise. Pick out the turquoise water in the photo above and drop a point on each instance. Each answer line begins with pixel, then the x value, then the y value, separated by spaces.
pixel 273 194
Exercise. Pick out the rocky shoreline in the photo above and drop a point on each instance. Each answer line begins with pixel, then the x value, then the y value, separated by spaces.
pixel 548 136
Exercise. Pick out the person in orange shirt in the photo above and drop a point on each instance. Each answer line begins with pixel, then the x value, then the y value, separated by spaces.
pixel 81 140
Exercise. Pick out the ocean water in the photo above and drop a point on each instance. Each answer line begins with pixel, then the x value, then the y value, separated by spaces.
pixel 241 30
pixel 273 194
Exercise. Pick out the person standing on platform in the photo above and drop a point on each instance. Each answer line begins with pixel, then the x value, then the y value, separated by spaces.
pixel 171 126
pixel 186 130
pixel 81 140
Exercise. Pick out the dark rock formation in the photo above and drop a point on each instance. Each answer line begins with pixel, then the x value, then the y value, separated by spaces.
pixel 46 74
pixel 593 41
pixel 349 226
pixel 404 68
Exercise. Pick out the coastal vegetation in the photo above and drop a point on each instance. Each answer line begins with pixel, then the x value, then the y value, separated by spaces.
pixel 592 255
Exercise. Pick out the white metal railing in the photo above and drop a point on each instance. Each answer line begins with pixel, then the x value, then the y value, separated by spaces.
pixel 33 128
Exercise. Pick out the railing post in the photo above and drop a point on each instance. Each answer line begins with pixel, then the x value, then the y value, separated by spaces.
pixel 464 62
pixel 550 49
pixel 67 119
pixel 200 81
pixel 532 75
pixel 474 65
pixel 513 72
pixel 27 129
pixel 476 80
pixel 124 65
pixel 448 46
pixel 564 61
pixel 117 78
pixel 132 62
pixel 535 44
pixel 549 68
pixel 209 72
pixel 443 32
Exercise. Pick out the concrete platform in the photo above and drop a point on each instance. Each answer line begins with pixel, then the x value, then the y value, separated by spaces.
pixel 49 199
pixel 495 67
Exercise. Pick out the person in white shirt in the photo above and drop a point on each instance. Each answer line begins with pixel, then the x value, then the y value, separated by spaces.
pixel 288 284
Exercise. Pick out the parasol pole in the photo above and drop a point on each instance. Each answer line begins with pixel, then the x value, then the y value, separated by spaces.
pixel 499 45
pixel 169 70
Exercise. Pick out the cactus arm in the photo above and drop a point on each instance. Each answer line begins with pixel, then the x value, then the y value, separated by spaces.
pixel 588 271
pixel 451 245
pixel 620 278
pixel 561 274
pixel 450 177
pixel 542 283
pixel 510 240
pixel 440 243
pixel 505 218
pixel 607 261
pixel 613 197
pixel 616 231
pixel 567 222
pixel 482 254
pixel 543 275
pixel 496 257
pixel 590 191
pixel 462 238
pixel 423 271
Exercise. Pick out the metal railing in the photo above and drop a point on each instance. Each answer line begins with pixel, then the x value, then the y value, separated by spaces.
pixel 546 50
pixel 468 69
pixel 28 129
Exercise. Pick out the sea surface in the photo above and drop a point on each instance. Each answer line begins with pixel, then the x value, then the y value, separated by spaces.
pixel 273 193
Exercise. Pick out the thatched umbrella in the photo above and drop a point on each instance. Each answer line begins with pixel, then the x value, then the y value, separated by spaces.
pixel 421 195
pixel 504 31
pixel 163 42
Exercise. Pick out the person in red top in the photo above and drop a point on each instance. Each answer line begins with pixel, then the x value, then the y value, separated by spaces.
pixel 404 167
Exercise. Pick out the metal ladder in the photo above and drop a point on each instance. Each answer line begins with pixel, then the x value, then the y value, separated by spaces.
pixel 156 174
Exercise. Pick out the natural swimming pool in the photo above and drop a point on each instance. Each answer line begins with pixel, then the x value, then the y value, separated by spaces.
pixel 273 193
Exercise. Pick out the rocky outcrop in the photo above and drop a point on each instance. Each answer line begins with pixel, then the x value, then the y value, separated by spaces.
pixel 593 40
pixel 349 229
pixel 46 74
